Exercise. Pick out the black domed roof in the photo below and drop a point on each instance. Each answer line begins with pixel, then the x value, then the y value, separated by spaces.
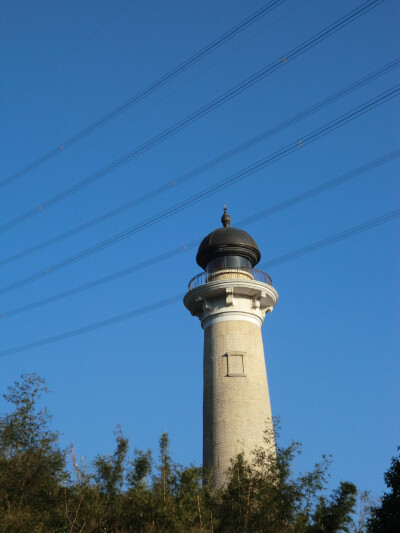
pixel 227 241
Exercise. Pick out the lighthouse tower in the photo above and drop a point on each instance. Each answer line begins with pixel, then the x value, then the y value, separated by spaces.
pixel 231 299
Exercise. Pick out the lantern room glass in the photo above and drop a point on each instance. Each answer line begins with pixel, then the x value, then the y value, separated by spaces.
pixel 228 261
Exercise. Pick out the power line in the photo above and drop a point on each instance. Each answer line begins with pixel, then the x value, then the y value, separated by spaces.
pixel 193 244
pixel 102 280
pixel 69 54
pixel 97 325
pixel 157 102
pixel 330 184
pixel 205 193
pixel 177 298
pixel 214 104
pixel 332 239
pixel 225 37
pixel 206 166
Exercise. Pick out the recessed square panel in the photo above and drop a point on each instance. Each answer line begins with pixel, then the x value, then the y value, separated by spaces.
pixel 234 364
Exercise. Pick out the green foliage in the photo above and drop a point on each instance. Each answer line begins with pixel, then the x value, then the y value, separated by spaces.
pixel 132 494
pixel 32 467
pixel 141 468
pixel 334 514
pixel 110 470
pixel 385 518
pixel 265 497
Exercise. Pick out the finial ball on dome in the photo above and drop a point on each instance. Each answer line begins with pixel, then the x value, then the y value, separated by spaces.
pixel 226 219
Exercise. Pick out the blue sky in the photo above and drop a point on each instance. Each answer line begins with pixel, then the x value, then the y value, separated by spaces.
pixel 331 343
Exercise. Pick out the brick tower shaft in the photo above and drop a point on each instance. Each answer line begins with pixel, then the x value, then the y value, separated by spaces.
pixel 236 405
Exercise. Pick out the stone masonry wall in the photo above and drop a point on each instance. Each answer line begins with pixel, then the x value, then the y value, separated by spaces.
pixel 236 405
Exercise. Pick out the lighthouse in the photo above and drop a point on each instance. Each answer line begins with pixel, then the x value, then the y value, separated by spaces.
pixel 231 298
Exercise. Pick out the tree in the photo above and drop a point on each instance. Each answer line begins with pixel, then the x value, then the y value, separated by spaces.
pixel 110 469
pixel 121 494
pixel 32 466
pixel 263 495
pixel 335 514
pixel 385 518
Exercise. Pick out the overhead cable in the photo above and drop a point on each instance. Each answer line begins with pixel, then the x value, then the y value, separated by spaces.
pixel 193 244
pixel 206 166
pixel 70 53
pixel 209 191
pixel 332 239
pixel 214 104
pixel 392 215
pixel 225 37
pixel 157 102
pixel 205 193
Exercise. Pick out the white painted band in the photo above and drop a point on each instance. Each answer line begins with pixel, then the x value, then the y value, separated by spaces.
pixel 225 316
